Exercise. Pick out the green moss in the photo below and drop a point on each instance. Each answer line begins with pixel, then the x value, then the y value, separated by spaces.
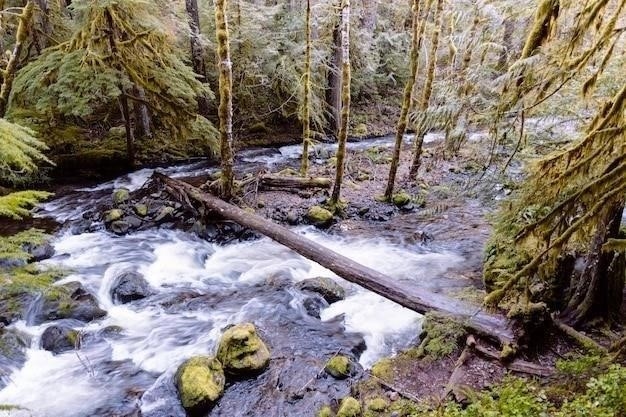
pixel 441 336
pixel 338 366
pixel 242 351
pixel 30 279
pixel 121 195
pixel 141 210
pixel 12 247
pixel 319 216
pixel 200 381
pixel 401 199
pixel 113 215
pixel 350 407
pixel 383 369
pixel 325 411
pixel 375 405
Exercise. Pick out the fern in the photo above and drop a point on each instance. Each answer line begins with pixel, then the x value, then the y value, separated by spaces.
pixel 20 151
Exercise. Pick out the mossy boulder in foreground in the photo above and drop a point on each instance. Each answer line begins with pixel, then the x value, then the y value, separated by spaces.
pixel 319 216
pixel 350 407
pixel 241 351
pixel 200 382
pixel 339 367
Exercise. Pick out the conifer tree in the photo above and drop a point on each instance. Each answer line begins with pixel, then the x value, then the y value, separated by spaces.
pixel 306 105
pixel 427 91
pixel 335 201
pixel 418 26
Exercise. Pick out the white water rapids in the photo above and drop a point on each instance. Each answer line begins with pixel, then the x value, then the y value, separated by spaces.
pixel 153 340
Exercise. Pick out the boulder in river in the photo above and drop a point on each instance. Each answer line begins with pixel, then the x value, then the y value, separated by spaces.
pixel 13 346
pixel 319 216
pixel 120 196
pixel 60 338
pixel 200 382
pixel 130 286
pixel 68 301
pixel 241 351
pixel 326 287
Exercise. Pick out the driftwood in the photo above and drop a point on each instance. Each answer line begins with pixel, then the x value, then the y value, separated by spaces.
pixel 492 325
pixel 276 181
pixel 516 365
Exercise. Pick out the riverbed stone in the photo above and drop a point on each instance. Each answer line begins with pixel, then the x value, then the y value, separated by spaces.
pixel 60 338
pixel 66 301
pixel 141 209
pixel 120 227
pixel 13 346
pixel 113 215
pixel 241 351
pixel 324 286
pixel 200 382
pixel 350 407
pixel 121 195
pixel 130 286
pixel 339 367
pixel 319 216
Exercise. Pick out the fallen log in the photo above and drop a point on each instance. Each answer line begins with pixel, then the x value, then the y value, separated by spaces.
pixel 516 365
pixel 492 325
pixel 276 181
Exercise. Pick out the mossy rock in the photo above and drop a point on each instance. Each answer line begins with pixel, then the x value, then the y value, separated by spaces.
pixel 326 287
pixel 319 216
pixel 350 407
pixel 325 411
pixel 241 351
pixel 113 215
pixel 383 369
pixel 339 367
pixel 200 382
pixel 375 406
pixel 141 210
pixel 121 195
pixel 60 338
pixel 401 199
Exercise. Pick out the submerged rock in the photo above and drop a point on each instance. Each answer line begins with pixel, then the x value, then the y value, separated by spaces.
pixel 350 407
pixel 241 351
pixel 326 287
pixel 60 338
pixel 339 367
pixel 130 286
pixel 319 216
pixel 13 346
pixel 68 301
pixel 200 382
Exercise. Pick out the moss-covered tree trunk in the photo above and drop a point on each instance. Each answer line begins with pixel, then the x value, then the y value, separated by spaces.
pixel 197 51
pixel 597 289
pixel 23 28
pixel 427 91
pixel 345 102
pixel 142 114
pixel 306 105
pixel 418 32
pixel 333 90
pixel 225 67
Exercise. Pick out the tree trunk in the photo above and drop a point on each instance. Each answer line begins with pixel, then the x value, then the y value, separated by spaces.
pixel 345 102
pixel 418 32
pixel 333 92
pixel 130 135
pixel 428 88
pixel 416 299
pixel 306 106
pixel 226 99
pixel 197 52
pixel 142 114
pixel 23 28
pixel 597 290
pixel 275 181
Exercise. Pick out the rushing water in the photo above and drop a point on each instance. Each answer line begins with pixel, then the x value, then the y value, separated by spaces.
pixel 199 288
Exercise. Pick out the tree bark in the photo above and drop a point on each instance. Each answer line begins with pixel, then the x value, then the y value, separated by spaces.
pixel 226 99
pixel 197 52
pixel 275 181
pixel 306 106
pixel 333 92
pixel 428 89
pixel 345 102
pixel 25 19
pixel 142 114
pixel 420 300
pixel 418 32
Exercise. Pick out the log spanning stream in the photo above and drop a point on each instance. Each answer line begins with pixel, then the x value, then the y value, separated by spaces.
pixel 128 357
